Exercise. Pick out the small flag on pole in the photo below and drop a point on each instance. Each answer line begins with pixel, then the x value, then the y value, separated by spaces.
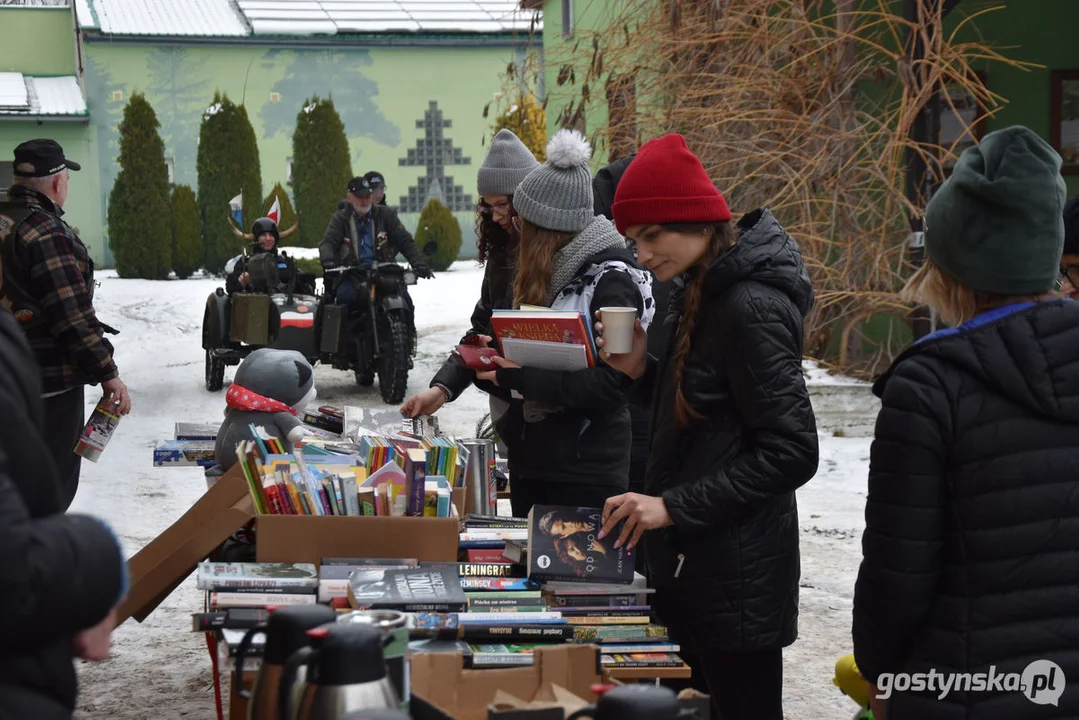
pixel 275 211
pixel 236 204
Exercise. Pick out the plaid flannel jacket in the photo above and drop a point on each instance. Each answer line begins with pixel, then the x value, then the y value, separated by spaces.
pixel 57 272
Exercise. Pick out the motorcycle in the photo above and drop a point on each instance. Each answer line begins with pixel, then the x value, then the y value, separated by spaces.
pixel 374 337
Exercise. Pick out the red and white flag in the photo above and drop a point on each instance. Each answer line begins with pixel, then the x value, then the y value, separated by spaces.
pixel 275 211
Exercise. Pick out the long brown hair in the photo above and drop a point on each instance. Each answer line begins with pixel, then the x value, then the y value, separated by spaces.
pixel 722 239
pixel 535 264
pixel 493 242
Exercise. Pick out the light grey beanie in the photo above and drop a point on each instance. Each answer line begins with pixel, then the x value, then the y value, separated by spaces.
pixel 558 194
pixel 507 163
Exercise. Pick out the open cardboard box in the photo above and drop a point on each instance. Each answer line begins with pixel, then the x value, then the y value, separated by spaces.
pixel 162 565
pixel 443 690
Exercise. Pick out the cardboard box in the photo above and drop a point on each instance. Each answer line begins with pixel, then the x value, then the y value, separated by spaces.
pixel 163 564
pixel 443 690
pixel 309 538
pixel 226 506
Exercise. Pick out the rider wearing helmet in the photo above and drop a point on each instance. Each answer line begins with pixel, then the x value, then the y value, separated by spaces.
pixel 378 186
pixel 264 239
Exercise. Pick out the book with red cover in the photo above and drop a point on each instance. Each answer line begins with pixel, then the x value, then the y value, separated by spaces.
pixel 544 326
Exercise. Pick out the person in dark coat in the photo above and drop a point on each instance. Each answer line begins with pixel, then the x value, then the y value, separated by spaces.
pixel 508 162
pixel 63 574
pixel 972 518
pixel 264 241
pixel 1069 261
pixel 567 432
pixel 733 431
pixel 603 188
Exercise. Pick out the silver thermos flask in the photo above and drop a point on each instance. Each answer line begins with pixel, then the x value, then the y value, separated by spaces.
pixel 481 493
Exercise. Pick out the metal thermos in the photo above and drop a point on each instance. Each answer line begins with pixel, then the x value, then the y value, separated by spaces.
pixel 345 672
pixel 481 493
pixel 286 632
pixel 635 702
pixel 394 628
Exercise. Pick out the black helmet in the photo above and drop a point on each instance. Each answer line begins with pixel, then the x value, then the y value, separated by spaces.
pixel 264 225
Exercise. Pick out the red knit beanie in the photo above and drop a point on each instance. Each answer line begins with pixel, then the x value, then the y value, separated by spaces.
pixel 666 183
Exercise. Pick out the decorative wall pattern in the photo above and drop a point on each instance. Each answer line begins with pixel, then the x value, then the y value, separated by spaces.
pixel 434 151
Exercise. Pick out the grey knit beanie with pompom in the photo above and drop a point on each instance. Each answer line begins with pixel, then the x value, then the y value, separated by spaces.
pixel 558 194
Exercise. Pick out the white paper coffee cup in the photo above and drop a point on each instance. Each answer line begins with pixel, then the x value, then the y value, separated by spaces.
pixel 617 329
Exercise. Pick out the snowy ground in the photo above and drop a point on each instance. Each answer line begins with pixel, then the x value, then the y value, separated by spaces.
pixel 159 668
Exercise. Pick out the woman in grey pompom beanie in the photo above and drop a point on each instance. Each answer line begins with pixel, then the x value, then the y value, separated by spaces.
pixel 508 162
pixel 567 431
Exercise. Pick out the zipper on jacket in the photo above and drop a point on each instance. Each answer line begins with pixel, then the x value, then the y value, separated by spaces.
pixel 678 569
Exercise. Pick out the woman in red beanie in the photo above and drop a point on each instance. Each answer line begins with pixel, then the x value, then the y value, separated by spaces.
pixel 733 431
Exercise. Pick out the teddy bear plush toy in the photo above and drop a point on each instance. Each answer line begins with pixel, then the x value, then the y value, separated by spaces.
pixel 270 388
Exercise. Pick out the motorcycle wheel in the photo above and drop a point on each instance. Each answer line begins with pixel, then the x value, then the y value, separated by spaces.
pixel 215 373
pixel 393 358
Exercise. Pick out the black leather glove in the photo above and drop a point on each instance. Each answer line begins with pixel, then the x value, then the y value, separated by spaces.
pixel 329 265
pixel 424 272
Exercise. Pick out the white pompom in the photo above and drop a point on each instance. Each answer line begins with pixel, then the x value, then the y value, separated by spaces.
pixel 568 148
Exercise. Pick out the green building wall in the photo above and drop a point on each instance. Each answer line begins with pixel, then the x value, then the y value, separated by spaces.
pixel 37 40
pixel 383 95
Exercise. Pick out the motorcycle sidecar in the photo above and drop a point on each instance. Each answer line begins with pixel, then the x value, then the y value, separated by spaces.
pixel 234 325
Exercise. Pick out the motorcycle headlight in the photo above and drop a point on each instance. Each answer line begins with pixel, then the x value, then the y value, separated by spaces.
pixel 410 277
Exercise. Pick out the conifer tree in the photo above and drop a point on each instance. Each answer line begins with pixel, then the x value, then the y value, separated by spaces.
pixel 288 213
pixel 139 216
pixel 321 167
pixel 438 223
pixel 187 251
pixel 228 164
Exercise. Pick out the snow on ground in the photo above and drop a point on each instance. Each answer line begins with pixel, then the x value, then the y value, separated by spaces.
pixel 159 668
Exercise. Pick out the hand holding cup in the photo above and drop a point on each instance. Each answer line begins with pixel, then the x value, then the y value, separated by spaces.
pixel 622 341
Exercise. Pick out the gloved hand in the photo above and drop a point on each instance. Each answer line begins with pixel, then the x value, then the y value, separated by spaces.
pixel 330 265
pixel 424 272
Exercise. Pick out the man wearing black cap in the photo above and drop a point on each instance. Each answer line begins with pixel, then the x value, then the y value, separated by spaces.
pixel 378 186
pixel 48 283
pixel 361 233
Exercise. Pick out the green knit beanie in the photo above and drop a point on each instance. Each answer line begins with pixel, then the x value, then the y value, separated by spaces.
pixel 997 224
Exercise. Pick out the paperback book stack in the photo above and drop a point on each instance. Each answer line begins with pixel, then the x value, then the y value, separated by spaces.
pixel 241 595
pixel 402 477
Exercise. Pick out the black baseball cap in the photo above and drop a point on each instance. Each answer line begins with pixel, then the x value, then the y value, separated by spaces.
pixel 375 178
pixel 46 156
pixel 359 186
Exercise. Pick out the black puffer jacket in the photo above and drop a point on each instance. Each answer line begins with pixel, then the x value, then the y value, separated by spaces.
pixel 728 481
pixel 588 439
pixel 496 293
pixel 61 573
pixel 971 546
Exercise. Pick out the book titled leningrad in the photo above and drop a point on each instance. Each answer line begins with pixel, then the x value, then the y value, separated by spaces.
pixel 407 590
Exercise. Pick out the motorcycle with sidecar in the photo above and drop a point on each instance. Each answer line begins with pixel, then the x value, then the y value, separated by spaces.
pixel 374 336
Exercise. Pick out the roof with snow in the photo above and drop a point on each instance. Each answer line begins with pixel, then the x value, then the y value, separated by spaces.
pixel 24 96
pixel 246 18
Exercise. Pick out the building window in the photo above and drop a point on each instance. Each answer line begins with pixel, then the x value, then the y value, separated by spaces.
pixel 117 95
pixel 288 171
pixel 169 167
pixel 275 97
pixel 7 175
pixel 567 19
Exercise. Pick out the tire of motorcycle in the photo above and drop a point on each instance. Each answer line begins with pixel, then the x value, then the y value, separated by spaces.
pixel 215 372
pixel 393 361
